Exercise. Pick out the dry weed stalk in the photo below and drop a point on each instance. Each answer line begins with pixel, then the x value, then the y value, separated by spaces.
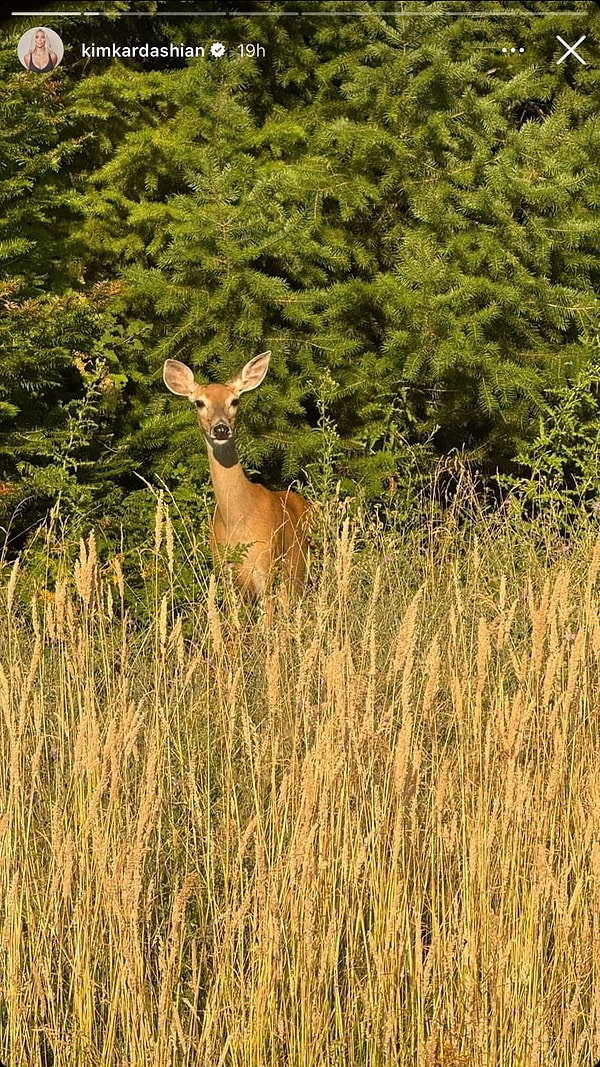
pixel 362 831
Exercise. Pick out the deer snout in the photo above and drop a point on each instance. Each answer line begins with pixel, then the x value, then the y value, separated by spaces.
pixel 221 431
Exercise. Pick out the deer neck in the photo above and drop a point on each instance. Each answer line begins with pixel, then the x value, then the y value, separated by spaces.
pixel 233 491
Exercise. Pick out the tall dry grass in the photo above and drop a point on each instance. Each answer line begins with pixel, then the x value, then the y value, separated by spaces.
pixel 364 832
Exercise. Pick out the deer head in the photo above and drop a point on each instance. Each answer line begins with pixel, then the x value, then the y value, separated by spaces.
pixel 216 405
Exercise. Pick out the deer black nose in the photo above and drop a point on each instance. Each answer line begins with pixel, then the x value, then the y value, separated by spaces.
pixel 221 431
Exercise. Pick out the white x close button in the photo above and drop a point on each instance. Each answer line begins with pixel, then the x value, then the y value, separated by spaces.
pixel 571 50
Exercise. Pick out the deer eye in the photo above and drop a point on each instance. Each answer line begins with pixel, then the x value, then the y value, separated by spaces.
pixel 234 402
pixel 199 403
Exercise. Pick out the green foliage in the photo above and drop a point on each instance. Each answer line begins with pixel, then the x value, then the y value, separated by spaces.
pixel 405 217
pixel 563 461
pixel 60 401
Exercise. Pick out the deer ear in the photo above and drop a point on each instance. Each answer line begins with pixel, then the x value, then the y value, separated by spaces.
pixel 252 374
pixel 178 378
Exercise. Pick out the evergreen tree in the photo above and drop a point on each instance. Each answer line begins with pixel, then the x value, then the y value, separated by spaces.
pixel 49 331
pixel 405 215
pixel 419 223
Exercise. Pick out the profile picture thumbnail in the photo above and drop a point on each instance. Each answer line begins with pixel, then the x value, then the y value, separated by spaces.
pixel 40 50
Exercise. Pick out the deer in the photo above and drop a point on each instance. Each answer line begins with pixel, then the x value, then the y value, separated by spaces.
pixel 271 526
